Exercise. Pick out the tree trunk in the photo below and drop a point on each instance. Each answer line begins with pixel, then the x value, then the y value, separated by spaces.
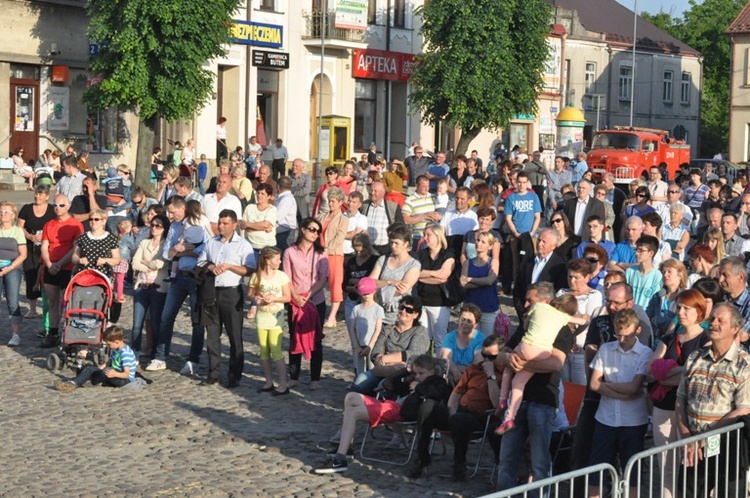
pixel 466 137
pixel 146 133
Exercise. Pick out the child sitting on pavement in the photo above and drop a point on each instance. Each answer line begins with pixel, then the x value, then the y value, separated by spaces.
pixel 117 372
pixel 544 323
pixel 365 325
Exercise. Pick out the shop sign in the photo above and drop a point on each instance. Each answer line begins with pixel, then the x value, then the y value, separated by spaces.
pixel 351 14
pixel 58 117
pixel 256 34
pixel 270 60
pixel 382 65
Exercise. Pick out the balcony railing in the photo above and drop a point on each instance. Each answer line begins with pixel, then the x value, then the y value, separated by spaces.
pixel 317 24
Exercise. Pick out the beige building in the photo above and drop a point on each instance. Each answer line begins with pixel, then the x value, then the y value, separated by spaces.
pixel 739 89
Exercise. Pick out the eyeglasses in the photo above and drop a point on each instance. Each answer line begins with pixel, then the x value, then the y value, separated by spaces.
pixel 488 356
pixel 96 219
pixel 592 260
pixel 312 229
pixel 331 173
pixel 641 251
pixel 58 205
pixel 156 225
pixel 124 172
pixel 558 220
pixel 408 309
pixel 5 211
pixel 674 191
pixel 640 195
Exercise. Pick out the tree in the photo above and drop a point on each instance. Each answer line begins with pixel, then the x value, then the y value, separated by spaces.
pixel 483 63
pixel 151 60
pixel 703 27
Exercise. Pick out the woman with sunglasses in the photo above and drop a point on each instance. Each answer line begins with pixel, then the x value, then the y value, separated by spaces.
pixel 568 240
pixel 21 168
pixel 641 205
pixel 397 344
pixel 335 225
pixel 97 248
pixel 150 283
pixel 306 263
pixel 397 273
pixel 320 207
pixel 12 255
pixel 31 219
pixel 598 257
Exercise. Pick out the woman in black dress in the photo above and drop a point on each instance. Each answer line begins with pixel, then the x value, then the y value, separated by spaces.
pixel 31 219
pixel 97 248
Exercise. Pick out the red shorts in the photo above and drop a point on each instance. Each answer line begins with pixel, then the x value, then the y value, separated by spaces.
pixel 382 412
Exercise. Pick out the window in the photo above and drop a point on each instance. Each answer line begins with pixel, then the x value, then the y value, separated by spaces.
pixel 590 78
pixel 372 12
pixel 666 94
pixel 399 13
pixel 364 114
pixel 685 88
pixel 267 4
pixel 625 82
pixel 105 128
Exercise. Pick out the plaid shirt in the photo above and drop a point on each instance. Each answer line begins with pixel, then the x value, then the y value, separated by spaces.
pixel 743 303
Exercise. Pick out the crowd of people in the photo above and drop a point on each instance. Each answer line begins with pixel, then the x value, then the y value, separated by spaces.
pixel 613 289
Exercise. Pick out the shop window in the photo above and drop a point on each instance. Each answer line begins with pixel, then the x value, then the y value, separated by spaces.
pixel 364 114
pixel 104 128
pixel 399 13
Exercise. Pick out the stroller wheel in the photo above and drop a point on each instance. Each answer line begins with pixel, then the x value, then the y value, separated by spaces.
pixel 54 362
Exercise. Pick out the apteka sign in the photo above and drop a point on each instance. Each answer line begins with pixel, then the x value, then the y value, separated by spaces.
pixel 382 65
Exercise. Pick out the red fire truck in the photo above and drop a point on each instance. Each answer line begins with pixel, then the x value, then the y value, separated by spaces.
pixel 628 153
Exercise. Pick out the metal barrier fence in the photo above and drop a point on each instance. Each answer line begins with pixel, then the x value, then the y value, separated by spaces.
pixel 658 472
pixel 570 484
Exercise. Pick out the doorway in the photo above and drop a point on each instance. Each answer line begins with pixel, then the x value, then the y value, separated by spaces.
pixel 24 117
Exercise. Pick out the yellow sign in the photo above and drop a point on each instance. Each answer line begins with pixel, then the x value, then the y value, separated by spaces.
pixel 257 34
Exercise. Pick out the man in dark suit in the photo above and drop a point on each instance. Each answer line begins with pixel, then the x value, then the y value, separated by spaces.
pixel 545 266
pixel 617 197
pixel 582 209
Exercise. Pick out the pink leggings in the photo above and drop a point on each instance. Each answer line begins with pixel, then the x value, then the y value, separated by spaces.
pixel 120 286
pixel 519 380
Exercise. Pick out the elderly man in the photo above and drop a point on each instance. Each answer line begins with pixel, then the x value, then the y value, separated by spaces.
pixel 558 177
pixel 301 187
pixel 380 215
pixel 215 203
pixel 181 287
pixel 71 184
pixel 229 258
pixel 674 194
pixel 535 418
pixel 733 281
pixel 583 208
pixel 419 209
pixel 545 266
pixel 417 166
pixel 734 243
pixel 713 393
pixel 624 253
pixel 713 220
pixel 286 214
pixel 264 176
pixel 58 243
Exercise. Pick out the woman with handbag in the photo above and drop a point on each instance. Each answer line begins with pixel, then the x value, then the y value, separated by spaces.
pixel 438 263
pixel 31 219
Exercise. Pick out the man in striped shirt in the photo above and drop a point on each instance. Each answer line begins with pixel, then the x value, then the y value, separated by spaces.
pixel 714 392
pixel 419 209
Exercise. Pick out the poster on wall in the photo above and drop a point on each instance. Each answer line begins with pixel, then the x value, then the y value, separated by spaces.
pixel 351 14
pixel 59 106
pixel 24 119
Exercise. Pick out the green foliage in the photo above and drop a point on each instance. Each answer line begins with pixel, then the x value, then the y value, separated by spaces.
pixel 483 62
pixel 152 53
pixel 703 28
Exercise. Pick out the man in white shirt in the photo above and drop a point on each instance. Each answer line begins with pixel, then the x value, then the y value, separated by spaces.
pixel 280 156
pixel 657 187
pixel 674 194
pixel 71 185
pixel 286 214
pixel 213 204
pixel 583 208
pixel 460 220
pixel 357 221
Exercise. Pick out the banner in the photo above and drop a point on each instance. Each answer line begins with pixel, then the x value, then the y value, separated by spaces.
pixel 382 65
pixel 257 34
pixel 351 14
pixel 58 99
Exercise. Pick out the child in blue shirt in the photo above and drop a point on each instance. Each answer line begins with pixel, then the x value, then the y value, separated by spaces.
pixel 117 372
pixel 202 173
pixel 644 278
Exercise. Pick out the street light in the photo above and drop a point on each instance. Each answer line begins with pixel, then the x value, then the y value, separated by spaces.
pixel 632 80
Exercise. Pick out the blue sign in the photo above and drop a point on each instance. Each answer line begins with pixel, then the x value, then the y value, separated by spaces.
pixel 553 109
pixel 257 34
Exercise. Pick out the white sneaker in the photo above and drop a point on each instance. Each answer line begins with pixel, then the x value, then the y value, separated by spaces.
pixel 15 340
pixel 189 368
pixel 155 365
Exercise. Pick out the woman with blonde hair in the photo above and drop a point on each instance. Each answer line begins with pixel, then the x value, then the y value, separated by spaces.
pixel 479 278
pixel 97 248
pixel 12 255
pixel 714 239
pixel 170 174
pixel 662 308
pixel 335 225
pixel 242 187
pixel 438 262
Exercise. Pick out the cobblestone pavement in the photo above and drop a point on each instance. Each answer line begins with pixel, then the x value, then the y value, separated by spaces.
pixel 177 438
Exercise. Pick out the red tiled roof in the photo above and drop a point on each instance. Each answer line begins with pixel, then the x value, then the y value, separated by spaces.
pixel 741 23
pixel 616 22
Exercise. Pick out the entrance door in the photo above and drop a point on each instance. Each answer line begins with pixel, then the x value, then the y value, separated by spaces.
pixel 24 117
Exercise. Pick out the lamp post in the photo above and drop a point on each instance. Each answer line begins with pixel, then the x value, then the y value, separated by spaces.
pixel 323 30
pixel 632 80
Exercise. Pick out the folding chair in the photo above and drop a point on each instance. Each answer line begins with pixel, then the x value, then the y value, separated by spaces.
pixel 572 402
pixel 482 433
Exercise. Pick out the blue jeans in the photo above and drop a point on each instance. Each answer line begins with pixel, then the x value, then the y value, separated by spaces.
pixel 180 288
pixel 534 423
pixel 146 300
pixel 365 383
pixel 201 188
pixel 10 285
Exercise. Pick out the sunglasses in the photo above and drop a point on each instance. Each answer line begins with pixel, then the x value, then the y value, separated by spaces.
pixel 558 220
pixel 331 173
pixel 488 356
pixel 592 260
pixel 640 195
pixel 156 225
pixel 5 211
pixel 408 309
pixel 312 229
pixel 58 205
pixel 96 219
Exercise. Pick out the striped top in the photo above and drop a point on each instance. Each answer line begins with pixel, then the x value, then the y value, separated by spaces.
pixel 416 205
pixel 712 387
pixel 121 358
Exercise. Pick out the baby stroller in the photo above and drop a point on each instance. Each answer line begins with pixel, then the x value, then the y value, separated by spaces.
pixel 85 309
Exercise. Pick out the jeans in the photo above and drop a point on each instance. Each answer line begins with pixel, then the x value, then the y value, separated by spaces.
pixel 179 290
pixel 282 239
pixel 201 188
pixel 146 300
pixel 435 319
pixel 365 383
pixel 10 285
pixel 574 369
pixel 534 422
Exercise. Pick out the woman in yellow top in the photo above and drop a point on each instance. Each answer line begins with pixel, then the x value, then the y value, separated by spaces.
pixel 242 187
pixel 335 226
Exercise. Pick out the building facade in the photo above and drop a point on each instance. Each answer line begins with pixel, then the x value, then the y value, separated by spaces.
pixel 739 90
